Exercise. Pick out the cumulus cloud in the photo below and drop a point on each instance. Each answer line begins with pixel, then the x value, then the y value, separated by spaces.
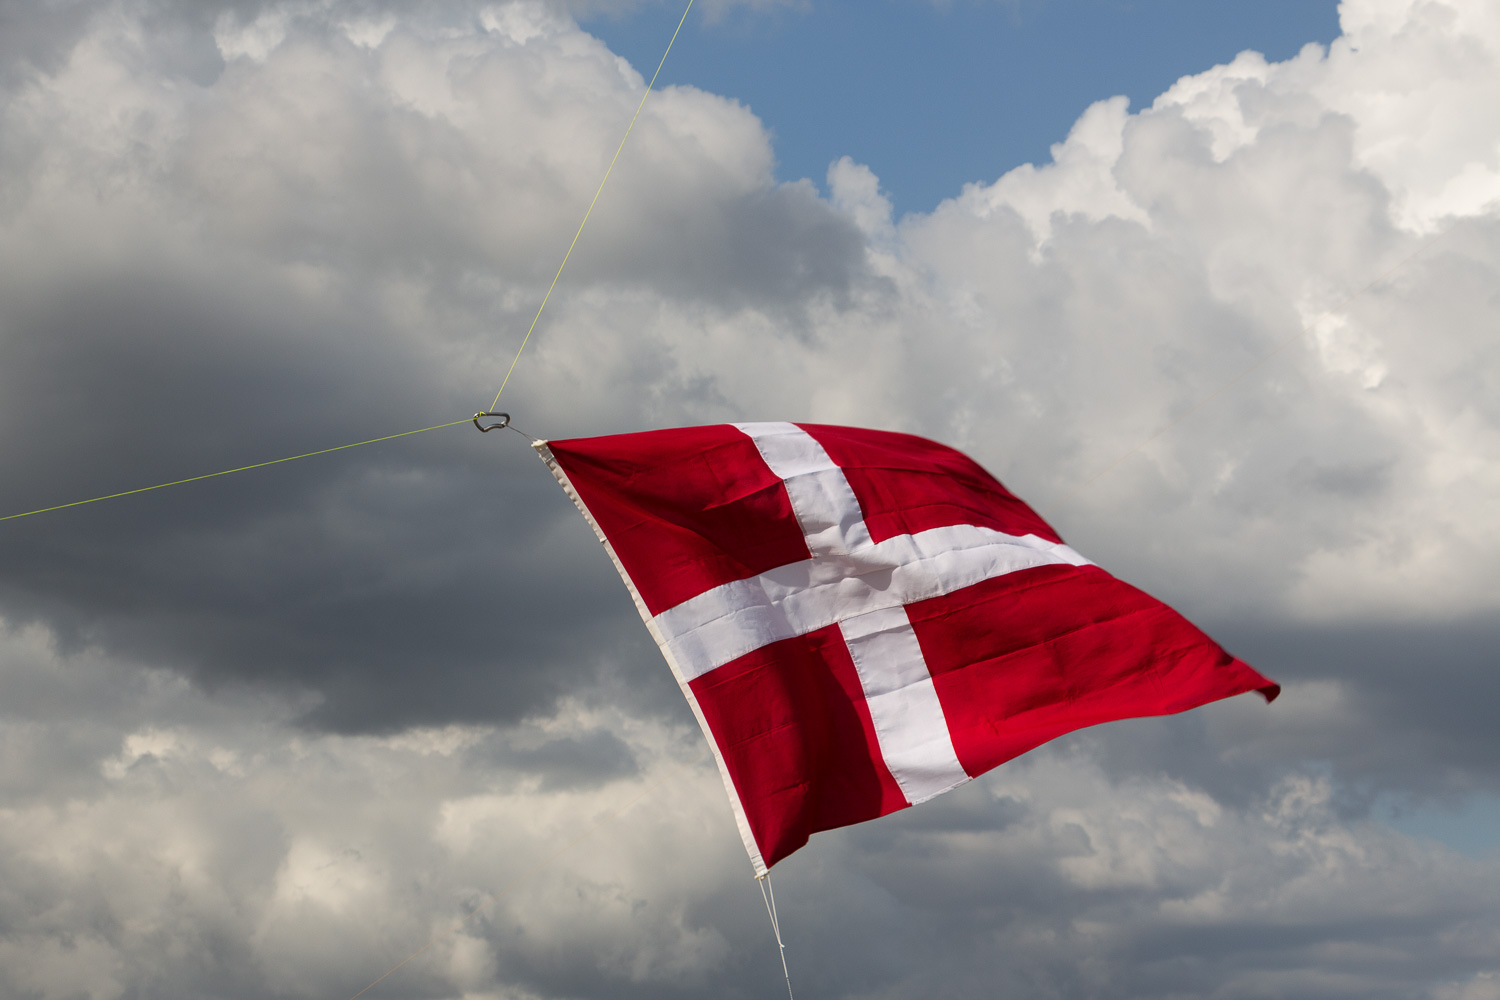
pixel 329 243
pixel 267 734
pixel 191 845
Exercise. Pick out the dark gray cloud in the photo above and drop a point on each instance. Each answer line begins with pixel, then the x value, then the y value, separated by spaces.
pixel 270 286
pixel 35 37
pixel 1416 700
pixel 439 554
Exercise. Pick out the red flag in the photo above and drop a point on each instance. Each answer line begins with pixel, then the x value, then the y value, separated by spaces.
pixel 862 620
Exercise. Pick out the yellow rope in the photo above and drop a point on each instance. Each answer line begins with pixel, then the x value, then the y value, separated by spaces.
pixel 630 128
pixel 226 472
pixel 1283 345
pixel 292 458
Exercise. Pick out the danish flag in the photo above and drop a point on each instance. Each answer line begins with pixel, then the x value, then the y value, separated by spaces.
pixel 862 620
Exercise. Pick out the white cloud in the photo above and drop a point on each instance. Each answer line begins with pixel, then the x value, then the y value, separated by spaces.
pixel 1240 211
pixel 315 862
pixel 319 861
pixel 1080 180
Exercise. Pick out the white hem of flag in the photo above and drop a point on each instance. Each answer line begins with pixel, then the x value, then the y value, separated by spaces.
pixel 740 819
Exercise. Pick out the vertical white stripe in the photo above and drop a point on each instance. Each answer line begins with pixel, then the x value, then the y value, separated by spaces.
pixel 909 724
pixel 909 720
pixel 821 497
pixel 788 449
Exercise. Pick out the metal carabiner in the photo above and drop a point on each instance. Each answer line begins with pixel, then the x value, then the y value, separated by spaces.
pixel 504 422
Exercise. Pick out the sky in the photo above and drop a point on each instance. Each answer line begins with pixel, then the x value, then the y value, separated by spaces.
pixel 943 95
pixel 268 734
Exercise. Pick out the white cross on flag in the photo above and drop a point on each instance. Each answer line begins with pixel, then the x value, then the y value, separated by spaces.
pixel 862 620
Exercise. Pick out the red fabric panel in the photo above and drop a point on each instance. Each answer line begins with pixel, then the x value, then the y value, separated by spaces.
pixel 907 484
pixel 686 509
pixel 791 722
pixel 1022 659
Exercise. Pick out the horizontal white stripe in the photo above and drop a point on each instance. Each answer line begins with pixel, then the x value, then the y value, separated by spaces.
pixel 733 619
pixel 909 722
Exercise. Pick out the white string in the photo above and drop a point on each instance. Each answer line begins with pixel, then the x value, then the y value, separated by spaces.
pixel 768 894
